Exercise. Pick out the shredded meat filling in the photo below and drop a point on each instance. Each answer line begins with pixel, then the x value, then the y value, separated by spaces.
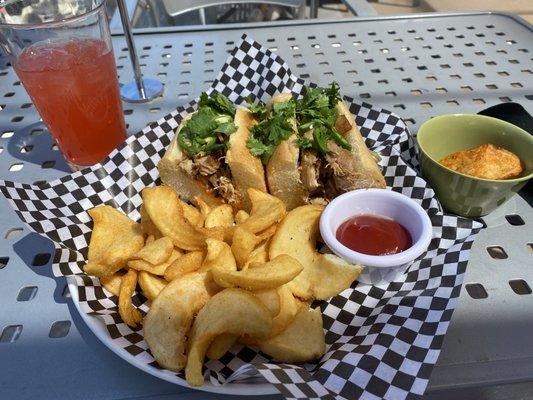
pixel 204 166
pixel 214 172
pixel 207 165
pixel 343 166
pixel 310 167
pixel 223 187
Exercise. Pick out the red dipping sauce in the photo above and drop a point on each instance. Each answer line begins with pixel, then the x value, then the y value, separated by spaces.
pixel 374 235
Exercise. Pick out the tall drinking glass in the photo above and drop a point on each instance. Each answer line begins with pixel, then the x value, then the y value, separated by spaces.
pixel 62 52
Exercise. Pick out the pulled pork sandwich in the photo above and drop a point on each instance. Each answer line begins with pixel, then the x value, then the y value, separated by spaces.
pixel 209 158
pixel 312 149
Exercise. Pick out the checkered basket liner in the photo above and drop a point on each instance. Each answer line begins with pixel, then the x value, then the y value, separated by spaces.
pixel 382 341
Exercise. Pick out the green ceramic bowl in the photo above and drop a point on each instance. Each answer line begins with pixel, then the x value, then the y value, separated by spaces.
pixel 463 194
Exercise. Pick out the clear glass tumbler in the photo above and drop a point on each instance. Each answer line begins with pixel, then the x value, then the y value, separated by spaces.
pixel 62 52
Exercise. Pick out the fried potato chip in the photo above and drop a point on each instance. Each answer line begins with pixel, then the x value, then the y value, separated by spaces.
pixel 271 274
pixel 266 211
pixel 147 225
pixel 244 242
pixel 232 311
pixel 192 214
pixel 112 283
pixel 302 341
pixel 156 252
pixel 188 262
pixel 151 285
pixel 167 324
pixel 115 238
pixel 221 215
pixel 221 345
pixel 129 314
pixel 323 275
pixel 159 269
pixel 163 206
pixel 241 216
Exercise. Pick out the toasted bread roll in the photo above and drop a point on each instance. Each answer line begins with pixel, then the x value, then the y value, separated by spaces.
pixel 282 171
pixel 246 170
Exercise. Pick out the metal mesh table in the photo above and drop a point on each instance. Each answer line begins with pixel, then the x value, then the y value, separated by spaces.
pixel 417 66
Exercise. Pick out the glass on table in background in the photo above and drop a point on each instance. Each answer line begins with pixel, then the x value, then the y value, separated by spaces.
pixel 62 52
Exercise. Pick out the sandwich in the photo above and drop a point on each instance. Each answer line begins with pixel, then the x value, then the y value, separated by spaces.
pixel 312 148
pixel 208 158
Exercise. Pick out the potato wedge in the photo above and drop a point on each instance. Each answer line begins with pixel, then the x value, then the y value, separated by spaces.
pixel 167 324
pixel 243 244
pixel 267 233
pixel 259 255
pixel 232 311
pixel 163 206
pixel 266 211
pixel 218 252
pixel 129 314
pixel 270 298
pixel 112 283
pixel 323 275
pixel 192 214
pixel 221 215
pixel 241 216
pixel 203 206
pixel 185 264
pixel 156 252
pixel 269 275
pixel 159 269
pixel 288 307
pixel 302 341
pixel 147 225
pixel 221 345
pixel 115 238
pixel 151 285
pixel 330 275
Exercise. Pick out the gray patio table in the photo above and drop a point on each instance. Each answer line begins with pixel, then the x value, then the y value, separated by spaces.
pixel 417 66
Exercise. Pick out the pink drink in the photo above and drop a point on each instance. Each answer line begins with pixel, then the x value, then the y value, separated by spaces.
pixel 73 84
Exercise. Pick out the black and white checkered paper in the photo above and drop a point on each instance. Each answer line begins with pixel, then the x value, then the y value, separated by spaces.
pixel 382 342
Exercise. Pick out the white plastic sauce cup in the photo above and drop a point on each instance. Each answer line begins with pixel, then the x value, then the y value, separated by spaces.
pixel 381 202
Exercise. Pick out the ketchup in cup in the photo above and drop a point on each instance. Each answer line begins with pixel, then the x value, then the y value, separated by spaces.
pixel 374 235
pixel 73 84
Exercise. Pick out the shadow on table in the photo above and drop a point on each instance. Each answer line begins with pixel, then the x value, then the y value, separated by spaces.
pixel 37 253
pixel 34 144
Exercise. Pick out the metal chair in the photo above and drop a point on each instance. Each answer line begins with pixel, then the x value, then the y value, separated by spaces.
pixel 166 12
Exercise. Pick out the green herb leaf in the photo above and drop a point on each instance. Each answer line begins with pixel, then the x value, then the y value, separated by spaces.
pixel 258 110
pixel 304 143
pixel 271 130
pixel 226 128
pixel 209 128
pixel 218 102
pixel 317 111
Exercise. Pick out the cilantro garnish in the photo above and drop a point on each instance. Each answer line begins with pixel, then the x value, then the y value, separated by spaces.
pixel 209 129
pixel 317 111
pixel 272 129
pixel 258 110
